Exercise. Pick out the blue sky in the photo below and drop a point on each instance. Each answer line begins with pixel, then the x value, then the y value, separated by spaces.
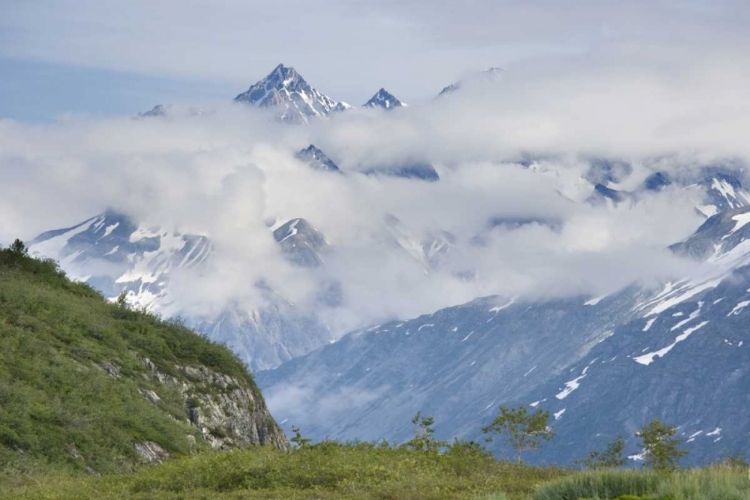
pixel 40 91
pixel 114 57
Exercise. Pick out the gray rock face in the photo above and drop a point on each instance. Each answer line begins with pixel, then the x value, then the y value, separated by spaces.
pixel 150 452
pixel 291 96
pixel 601 366
pixel 228 412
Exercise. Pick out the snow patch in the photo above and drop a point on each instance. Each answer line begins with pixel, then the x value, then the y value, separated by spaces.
pixel 739 307
pixel 570 386
pixel 647 359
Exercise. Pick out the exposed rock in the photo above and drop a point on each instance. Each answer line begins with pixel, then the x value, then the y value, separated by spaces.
pixel 111 370
pixel 228 411
pixel 150 395
pixel 150 451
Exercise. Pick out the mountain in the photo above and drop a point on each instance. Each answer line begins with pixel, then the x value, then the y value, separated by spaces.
pixel 317 159
pixel 302 243
pixel 156 111
pixel 602 193
pixel 725 191
pixel 656 181
pixel 383 99
pixel 720 188
pixel 602 366
pixel 488 75
pixel 294 100
pixel 94 386
pixel 114 254
pixel 406 170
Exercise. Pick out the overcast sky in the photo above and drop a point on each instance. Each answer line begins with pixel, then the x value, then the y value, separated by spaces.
pixel 115 57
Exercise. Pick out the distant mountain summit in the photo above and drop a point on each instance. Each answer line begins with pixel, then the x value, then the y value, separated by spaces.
pixel 489 75
pixel 301 243
pixel 296 100
pixel 156 111
pixel 383 99
pixel 317 159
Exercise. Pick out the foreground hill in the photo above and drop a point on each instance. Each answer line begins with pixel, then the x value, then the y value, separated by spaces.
pixel 90 385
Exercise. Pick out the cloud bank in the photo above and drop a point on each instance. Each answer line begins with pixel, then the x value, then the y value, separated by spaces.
pixel 515 150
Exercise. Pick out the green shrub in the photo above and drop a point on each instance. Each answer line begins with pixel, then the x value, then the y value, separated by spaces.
pixel 603 485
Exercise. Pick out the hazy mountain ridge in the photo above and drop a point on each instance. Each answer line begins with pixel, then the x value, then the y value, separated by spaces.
pixel 602 366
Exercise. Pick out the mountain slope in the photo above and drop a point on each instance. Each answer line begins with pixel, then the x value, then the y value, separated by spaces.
pixel 602 366
pixel 90 385
pixel 114 254
pixel 293 99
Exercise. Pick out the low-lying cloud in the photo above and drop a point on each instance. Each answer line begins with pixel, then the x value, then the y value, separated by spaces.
pixel 229 172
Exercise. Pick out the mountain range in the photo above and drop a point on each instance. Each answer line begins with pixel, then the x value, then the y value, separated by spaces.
pixel 602 366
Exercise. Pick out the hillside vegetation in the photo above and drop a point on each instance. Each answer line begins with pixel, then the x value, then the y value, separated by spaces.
pixel 334 471
pixel 87 385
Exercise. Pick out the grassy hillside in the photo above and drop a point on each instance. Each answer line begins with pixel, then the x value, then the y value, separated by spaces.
pixel 84 383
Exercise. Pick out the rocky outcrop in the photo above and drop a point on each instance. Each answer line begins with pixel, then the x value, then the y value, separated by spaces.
pixel 150 452
pixel 228 411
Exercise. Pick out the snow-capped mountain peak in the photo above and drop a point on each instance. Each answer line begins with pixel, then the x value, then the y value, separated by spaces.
pixel 317 159
pixel 384 99
pixel 302 243
pixel 296 100
pixel 489 75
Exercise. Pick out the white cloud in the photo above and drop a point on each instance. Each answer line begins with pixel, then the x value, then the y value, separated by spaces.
pixel 226 173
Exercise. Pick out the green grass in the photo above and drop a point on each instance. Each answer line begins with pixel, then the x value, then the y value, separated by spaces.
pixel 715 483
pixel 324 471
pixel 367 471
pixel 59 409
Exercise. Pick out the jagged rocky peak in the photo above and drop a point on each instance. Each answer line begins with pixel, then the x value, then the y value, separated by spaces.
pixel 384 99
pixel 156 111
pixel 719 238
pixel 489 75
pixel 317 159
pixel 296 100
pixel 724 191
pixel 656 181
pixel 301 243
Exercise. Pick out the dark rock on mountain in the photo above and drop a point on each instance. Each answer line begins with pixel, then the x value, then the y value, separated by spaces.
pixel 302 243
pixel 656 182
pixel 316 159
pixel 417 170
pixel 383 99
